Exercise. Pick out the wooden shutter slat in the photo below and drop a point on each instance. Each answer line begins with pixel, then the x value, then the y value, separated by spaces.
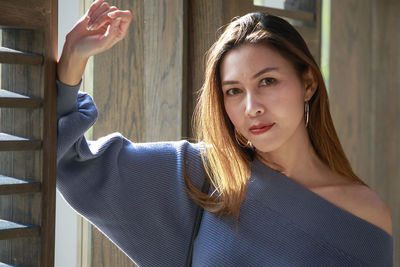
pixel 11 230
pixel 10 185
pixel 14 100
pixel 291 14
pixel 7 265
pixel 10 142
pixel 22 14
pixel 11 56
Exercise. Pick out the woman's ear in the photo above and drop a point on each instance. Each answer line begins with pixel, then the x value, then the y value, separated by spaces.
pixel 310 83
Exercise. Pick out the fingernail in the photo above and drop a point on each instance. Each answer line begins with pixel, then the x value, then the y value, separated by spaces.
pixel 89 28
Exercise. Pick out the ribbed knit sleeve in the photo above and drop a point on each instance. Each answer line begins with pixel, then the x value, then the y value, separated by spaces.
pixel 134 193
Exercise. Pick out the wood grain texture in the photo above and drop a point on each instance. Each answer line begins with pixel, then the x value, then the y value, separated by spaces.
pixel 11 56
pixel 7 265
pixel 364 94
pixel 163 39
pixel 10 230
pixel 350 80
pixel 204 19
pixel 385 72
pixel 13 100
pixel 15 143
pixel 298 15
pixel 27 14
pixel 11 185
pixel 119 80
pixel 106 254
pixel 49 141
pixel 118 89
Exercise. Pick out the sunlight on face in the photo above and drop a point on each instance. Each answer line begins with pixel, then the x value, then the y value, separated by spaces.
pixel 263 96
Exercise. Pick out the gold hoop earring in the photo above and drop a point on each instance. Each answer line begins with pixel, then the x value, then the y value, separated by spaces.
pixel 241 140
pixel 307 112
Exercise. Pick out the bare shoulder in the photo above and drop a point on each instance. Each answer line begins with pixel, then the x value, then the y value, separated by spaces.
pixel 365 203
pixel 357 199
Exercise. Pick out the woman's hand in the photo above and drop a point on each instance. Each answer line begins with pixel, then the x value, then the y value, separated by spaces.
pixel 98 30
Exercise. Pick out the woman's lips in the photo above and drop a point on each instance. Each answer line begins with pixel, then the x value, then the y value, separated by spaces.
pixel 261 128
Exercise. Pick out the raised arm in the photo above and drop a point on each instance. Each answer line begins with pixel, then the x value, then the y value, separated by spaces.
pixel 134 193
pixel 98 30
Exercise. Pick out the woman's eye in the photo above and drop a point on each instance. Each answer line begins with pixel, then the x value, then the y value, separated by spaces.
pixel 233 91
pixel 267 81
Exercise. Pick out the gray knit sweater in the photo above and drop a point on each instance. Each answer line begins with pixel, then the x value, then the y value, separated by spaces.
pixel 135 194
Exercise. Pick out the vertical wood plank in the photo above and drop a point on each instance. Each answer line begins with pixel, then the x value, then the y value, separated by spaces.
pixel 163 51
pixel 47 241
pixel 364 94
pixel 118 89
pixel 204 18
pixel 118 80
pixel 350 83
pixel 385 70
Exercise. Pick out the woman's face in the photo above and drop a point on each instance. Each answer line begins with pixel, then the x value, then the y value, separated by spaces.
pixel 264 95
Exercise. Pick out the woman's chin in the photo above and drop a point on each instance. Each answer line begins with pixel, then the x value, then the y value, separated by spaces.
pixel 264 149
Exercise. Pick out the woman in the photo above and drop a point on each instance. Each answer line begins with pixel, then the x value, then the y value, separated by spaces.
pixel 282 191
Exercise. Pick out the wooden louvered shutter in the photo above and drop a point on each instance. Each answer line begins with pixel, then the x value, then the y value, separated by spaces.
pixel 28 129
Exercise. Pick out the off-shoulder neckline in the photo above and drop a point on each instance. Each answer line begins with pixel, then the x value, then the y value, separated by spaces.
pixel 283 178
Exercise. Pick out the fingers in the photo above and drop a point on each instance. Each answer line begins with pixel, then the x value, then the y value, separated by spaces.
pixel 108 24
pixel 96 14
pixel 110 37
pixel 101 14
pixel 101 19
pixel 114 32
pixel 93 7
pixel 124 15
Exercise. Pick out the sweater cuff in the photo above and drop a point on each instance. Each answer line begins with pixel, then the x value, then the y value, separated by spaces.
pixel 66 98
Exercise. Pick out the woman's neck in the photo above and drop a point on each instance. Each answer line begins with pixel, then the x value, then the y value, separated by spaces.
pixel 297 159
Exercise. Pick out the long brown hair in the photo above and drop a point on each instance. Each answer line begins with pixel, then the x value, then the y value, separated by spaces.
pixel 227 164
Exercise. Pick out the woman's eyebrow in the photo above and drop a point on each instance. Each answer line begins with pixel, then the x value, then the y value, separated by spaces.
pixel 267 69
pixel 229 82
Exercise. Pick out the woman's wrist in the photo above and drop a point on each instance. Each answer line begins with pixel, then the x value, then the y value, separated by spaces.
pixel 71 66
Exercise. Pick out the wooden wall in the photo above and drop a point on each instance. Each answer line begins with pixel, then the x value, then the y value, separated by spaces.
pixel 365 93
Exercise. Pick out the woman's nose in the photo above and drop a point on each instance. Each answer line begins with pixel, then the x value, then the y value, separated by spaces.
pixel 253 106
